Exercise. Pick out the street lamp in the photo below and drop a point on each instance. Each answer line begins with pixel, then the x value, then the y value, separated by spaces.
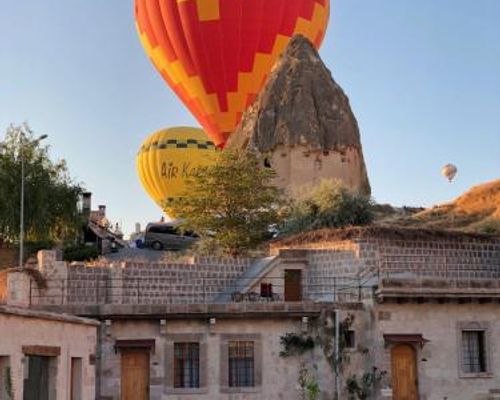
pixel 21 225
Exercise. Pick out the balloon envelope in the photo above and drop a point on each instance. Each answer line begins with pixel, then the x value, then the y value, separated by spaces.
pixel 449 171
pixel 169 157
pixel 216 54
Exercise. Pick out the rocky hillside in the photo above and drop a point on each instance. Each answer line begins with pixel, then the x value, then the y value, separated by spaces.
pixel 477 210
pixel 303 121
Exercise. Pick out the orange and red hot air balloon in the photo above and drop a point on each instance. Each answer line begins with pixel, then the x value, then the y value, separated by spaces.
pixel 216 54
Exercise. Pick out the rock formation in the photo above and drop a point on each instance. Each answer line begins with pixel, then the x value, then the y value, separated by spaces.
pixel 477 210
pixel 303 124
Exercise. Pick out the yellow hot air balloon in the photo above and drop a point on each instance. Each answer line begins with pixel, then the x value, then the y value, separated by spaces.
pixel 169 157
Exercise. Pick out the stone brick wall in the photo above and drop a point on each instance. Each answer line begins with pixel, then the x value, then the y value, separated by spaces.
pixel 346 270
pixel 338 271
pixel 138 283
pixel 178 283
pixel 446 258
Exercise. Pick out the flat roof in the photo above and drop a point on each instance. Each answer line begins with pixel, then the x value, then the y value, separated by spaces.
pixel 46 315
pixel 204 311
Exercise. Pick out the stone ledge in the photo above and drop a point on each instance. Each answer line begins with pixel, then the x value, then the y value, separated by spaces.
pixel 202 311
pixel 437 289
pixel 58 315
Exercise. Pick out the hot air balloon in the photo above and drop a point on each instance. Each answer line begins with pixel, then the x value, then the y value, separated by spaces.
pixel 216 54
pixel 169 157
pixel 449 171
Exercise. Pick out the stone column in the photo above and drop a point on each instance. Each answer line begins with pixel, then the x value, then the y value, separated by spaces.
pixel 18 288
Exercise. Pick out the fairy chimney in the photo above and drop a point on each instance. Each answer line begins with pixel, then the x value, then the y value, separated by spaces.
pixel 303 125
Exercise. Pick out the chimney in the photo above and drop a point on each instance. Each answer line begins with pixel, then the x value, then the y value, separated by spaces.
pixel 86 203
pixel 102 211
pixel 137 227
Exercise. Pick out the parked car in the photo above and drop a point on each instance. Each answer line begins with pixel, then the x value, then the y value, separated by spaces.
pixel 168 236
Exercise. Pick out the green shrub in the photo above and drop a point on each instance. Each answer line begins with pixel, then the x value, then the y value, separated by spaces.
pixel 330 205
pixel 32 248
pixel 80 253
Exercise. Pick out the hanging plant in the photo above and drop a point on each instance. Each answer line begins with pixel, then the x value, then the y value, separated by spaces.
pixel 293 344
pixel 307 384
pixel 8 384
pixel 361 389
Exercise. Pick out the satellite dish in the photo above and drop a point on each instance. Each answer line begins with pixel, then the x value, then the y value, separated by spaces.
pixel 449 171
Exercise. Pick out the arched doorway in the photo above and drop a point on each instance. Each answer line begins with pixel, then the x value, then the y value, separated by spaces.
pixel 404 372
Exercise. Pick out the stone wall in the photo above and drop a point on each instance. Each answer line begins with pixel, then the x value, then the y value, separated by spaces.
pixel 336 271
pixel 447 258
pixel 138 283
pixel 349 268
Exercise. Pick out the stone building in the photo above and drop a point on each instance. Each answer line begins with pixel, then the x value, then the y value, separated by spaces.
pixel 417 315
pixel 46 356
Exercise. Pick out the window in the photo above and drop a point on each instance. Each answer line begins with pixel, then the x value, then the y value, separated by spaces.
pixel 186 365
pixel 266 290
pixel 473 352
pixel 163 229
pixel 241 364
pixel 350 339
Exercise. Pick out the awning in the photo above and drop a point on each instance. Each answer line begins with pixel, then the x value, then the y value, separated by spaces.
pixel 413 338
pixel 130 344
pixel 45 351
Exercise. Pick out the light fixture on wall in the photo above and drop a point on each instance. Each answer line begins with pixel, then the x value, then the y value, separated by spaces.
pixel 211 325
pixel 163 327
pixel 305 324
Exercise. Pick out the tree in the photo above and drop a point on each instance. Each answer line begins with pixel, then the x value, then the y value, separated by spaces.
pixel 231 204
pixel 51 196
pixel 330 205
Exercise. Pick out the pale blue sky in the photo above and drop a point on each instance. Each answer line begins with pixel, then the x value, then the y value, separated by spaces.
pixel 423 78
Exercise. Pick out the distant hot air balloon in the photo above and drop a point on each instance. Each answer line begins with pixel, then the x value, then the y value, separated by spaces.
pixel 169 157
pixel 449 171
pixel 216 54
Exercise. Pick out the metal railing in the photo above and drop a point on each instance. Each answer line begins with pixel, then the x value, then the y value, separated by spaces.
pixel 146 290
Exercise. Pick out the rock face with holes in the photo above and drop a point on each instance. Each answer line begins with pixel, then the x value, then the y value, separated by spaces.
pixel 303 124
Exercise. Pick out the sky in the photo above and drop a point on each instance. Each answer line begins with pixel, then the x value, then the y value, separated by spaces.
pixel 423 78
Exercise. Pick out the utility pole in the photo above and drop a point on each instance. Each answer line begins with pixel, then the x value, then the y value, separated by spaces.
pixel 22 143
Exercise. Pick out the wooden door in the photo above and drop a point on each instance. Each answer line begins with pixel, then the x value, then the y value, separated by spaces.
pixel 404 373
pixel 293 285
pixel 135 375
